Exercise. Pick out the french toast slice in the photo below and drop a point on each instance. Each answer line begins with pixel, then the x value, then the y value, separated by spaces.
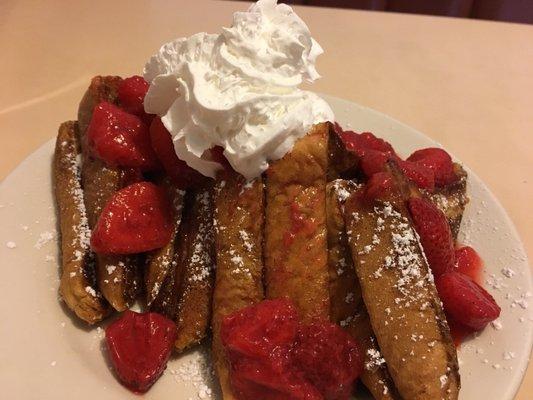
pixel 195 262
pixel 118 276
pixel 158 277
pixel 239 220
pixel 341 162
pixel 295 226
pixel 347 308
pixel 400 296
pixel 78 283
pixel 452 199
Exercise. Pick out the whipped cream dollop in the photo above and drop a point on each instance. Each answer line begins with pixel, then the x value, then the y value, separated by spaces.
pixel 238 90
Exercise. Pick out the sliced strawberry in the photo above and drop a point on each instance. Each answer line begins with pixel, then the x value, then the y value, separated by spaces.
pixel 136 219
pixel 379 186
pixel 329 358
pixel 439 161
pixel 420 175
pixel 131 92
pixel 119 138
pixel 435 235
pixel 139 347
pixel 360 142
pixel 257 330
pixel 465 301
pixel 182 175
pixel 373 161
pixel 468 262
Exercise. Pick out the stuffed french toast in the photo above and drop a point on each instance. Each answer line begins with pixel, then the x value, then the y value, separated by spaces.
pixel 227 204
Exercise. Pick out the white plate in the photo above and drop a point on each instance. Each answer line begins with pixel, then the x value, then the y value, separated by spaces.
pixel 45 354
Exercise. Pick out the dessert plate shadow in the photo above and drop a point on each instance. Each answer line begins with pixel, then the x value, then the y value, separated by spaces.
pixel 46 354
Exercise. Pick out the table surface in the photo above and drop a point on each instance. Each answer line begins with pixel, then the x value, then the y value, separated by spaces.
pixel 467 84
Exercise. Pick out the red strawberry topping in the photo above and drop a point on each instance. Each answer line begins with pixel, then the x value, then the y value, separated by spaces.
pixel 274 357
pixel 119 138
pixel 439 161
pixel 435 235
pixel 465 301
pixel 420 175
pixel 468 262
pixel 182 175
pixel 361 142
pixel 131 92
pixel 136 219
pixel 139 347
pixel 329 358
pixel 379 186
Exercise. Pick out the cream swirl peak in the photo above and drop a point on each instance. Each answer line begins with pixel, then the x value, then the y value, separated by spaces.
pixel 238 90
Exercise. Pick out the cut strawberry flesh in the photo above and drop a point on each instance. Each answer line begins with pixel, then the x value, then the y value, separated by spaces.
pixel 379 186
pixel 273 356
pixel 361 142
pixel 131 92
pixel 439 161
pixel 136 219
pixel 119 138
pixel 139 347
pixel 435 235
pixel 180 173
pixel 468 262
pixel 329 358
pixel 465 301
pixel 420 175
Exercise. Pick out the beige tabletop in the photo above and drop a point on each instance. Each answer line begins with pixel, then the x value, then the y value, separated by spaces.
pixel 467 84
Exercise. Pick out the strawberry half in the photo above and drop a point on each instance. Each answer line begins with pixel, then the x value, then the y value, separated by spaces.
pixel 465 301
pixel 435 235
pixel 420 175
pixel 180 173
pixel 131 93
pixel 439 161
pixel 136 219
pixel 468 262
pixel 119 138
pixel 139 347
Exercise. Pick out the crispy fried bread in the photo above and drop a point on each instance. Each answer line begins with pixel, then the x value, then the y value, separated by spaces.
pixel 452 199
pixel 195 261
pixel 118 276
pixel 77 286
pixel 399 293
pixel 347 308
pixel 158 277
pixel 239 219
pixel 295 226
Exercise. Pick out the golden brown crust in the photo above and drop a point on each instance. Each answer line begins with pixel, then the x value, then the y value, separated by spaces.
pixel 295 226
pixel 160 265
pixel 194 270
pixel 347 307
pixel 452 200
pixel 401 299
pixel 77 286
pixel 341 162
pixel 239 219
pixel 118 276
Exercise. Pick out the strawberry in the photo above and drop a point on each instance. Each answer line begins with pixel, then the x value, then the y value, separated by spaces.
pixel 119 138
pixel 379 186
pixel 468 262
pixel 439 161
pixel 329 358
pixel 131 92
pixel 360 142
pixel 182 175
pixel 465 301
pixel 435 235
pixel 139 346
pixel 420 175
pixel 373 161
pixel 136 219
